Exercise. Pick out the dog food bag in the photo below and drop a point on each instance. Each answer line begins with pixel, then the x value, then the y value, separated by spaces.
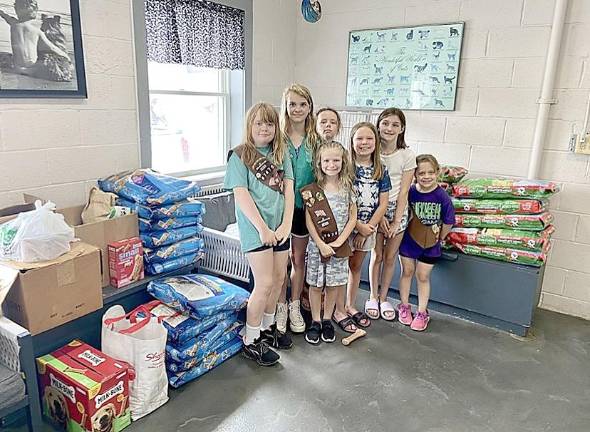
pixel 107 184
pixel 154 239
pixel 173 264
pixel 538 241
pixel 200 295
pixel 149 188
pixel 504 188
pixel 228 335
pixel 200 345
pixel 145 225
pixel 83 389
pixel 451 174
pixel 530 258
pixel 522 222
pixel 187 208
pixel 125 262
pixel 500 206
pixel 190 245
pixel 209 362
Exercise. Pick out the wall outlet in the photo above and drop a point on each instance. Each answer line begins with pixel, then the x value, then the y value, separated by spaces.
pixel 579 146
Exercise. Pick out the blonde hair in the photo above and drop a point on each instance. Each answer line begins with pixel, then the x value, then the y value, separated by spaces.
pixel 313 140
pixel 429 159
pixel 376 156
pixel 346 174
pixel 278 146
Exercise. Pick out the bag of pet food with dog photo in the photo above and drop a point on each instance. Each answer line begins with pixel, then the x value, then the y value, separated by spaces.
pixel 149 188
pixel 145 225
pixel 504 188
pixel 186 208
pixel 200 295
pixel 500 206
pixel 108 184
pixel 530 258
pixel 522 222
pixel 156 268
pixel 212 360
pixel 139 339
pixel 451 174
pixel 188 246
pixel 538 241
pixel 154 239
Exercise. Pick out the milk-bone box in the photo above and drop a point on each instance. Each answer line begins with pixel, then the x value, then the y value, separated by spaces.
pixel 83 389
pixel 125 261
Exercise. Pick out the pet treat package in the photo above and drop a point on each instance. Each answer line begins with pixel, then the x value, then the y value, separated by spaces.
pixel 521 222
pixel 504 188
pixel 125 262
pixel 536 241
pixel 451 174
pixel 199 295
pixel 500 206
pixel 83 389
pixel 147 187
pixel 190 245
pixel 187 208
pixel 146 225
pixel 530 258
pixel 154 239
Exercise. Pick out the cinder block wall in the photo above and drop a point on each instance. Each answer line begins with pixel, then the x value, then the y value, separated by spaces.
pixel 491 130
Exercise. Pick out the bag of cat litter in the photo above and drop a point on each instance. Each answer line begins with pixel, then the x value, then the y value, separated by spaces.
pixel 209 362
pixel 200 295
pixel 149 188
pixel 500 206
pixel 522 222
pixel 200 345
pixel 451 174
pixel 182 327
pixel 538 241
pixel 517 256
pixel 168 224
pixel 184 247
pixel 504 188
pixel 154 239
pixel 227 336
pixel 173 264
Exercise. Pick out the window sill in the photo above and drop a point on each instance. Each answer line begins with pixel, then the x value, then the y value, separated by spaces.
pixel 206 179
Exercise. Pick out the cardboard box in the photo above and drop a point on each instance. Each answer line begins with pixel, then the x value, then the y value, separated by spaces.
pixel 99 234
pixel 83 389
pixel 47 294
pixel 125 262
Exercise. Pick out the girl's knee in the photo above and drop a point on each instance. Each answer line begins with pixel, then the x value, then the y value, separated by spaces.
pixel 377 257
pixel 423 277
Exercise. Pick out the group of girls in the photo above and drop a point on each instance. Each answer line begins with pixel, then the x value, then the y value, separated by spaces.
pixel 298 190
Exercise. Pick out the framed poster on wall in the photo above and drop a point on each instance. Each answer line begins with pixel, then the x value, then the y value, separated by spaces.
pixel 414 68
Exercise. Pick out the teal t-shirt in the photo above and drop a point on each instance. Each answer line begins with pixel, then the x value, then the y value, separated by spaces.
pixel 302 162
pixel 270 203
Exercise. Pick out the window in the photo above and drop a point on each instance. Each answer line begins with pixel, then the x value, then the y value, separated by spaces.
pixel 190 113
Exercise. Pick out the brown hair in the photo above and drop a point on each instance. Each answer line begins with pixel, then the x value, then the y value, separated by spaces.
pixel 278 147
pixel 401 138
pixel 429 159
pixel 321 110
pixel 375 157
pixel 346 175
pixel 313 140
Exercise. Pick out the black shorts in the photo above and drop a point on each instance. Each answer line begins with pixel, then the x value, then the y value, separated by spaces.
pixel 278 248
pixel 424 259
pixel 298 228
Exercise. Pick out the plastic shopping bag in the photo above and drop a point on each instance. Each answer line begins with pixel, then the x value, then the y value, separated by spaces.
pixel 37 235
pixel 139 339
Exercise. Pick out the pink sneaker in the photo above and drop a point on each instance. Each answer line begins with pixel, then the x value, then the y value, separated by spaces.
pixel 404 314
pixel 420 321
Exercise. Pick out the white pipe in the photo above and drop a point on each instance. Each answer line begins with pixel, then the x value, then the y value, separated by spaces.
pixel 546 100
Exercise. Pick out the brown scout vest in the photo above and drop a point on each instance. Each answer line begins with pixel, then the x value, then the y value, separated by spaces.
pixel 263 169
pixel 426 236
pixel 323 219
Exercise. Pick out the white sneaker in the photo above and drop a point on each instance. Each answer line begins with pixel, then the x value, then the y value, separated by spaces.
pixel 281 317
pixel 297 323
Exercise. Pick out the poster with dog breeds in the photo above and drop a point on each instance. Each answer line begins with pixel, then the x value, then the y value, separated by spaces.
pixel 83 389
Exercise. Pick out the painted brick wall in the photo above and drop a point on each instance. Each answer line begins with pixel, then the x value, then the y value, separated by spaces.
pixel 490 132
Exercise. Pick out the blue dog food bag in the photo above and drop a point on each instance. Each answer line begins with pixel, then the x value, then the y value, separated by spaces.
pixel 200 295
pixel 149 188
pixel 190 245
pixel 173 263
pixel 154 239
pixel 186 208
pixel 146 225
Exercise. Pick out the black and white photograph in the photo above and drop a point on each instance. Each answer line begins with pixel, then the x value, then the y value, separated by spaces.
pixel 41 49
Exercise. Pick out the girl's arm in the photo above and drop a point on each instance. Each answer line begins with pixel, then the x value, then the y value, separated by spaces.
pixel 381 209
pixel 283 231
pixel 347 228
pixel 325 250
pixel 246 204
pixel 445 230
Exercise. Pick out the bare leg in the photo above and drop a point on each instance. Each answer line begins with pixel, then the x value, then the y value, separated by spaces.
pixel 423 271
pixel 375 265
pixel 315 300
pixel 405 281
pixel 260 263
pixel 298 247
pixel 279 276
pixel 354 276
pixel 389 256
pixel 330 301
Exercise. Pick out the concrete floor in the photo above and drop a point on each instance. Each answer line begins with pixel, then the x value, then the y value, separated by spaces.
pixel 455 377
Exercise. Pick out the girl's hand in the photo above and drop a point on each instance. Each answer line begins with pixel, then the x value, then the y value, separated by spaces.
pixel 282 233
pixel 365 229
pixel 393 229
pixel 267 237
pixel 384 226
pixel 325 250
pixel 359 241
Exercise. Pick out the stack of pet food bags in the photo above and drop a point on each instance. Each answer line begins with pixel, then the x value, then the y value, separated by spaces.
pixel 169 219
pixel 449 175
pixel 200 313
pixel 503 219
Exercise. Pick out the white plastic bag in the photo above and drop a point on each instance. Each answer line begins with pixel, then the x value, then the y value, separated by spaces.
pixel 36 235
pixel 141 342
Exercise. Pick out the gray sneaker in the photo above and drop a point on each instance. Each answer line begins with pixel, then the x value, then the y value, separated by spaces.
pixel 281 317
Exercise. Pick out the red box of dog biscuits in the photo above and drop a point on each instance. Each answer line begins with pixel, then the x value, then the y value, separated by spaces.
pixel 125 261
pixel 83 389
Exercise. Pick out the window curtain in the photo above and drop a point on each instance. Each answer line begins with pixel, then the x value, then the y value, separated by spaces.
pixel 195 32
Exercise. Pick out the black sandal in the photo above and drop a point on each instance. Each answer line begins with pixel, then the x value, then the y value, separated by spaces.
pixel 344 323
pixel 361 316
